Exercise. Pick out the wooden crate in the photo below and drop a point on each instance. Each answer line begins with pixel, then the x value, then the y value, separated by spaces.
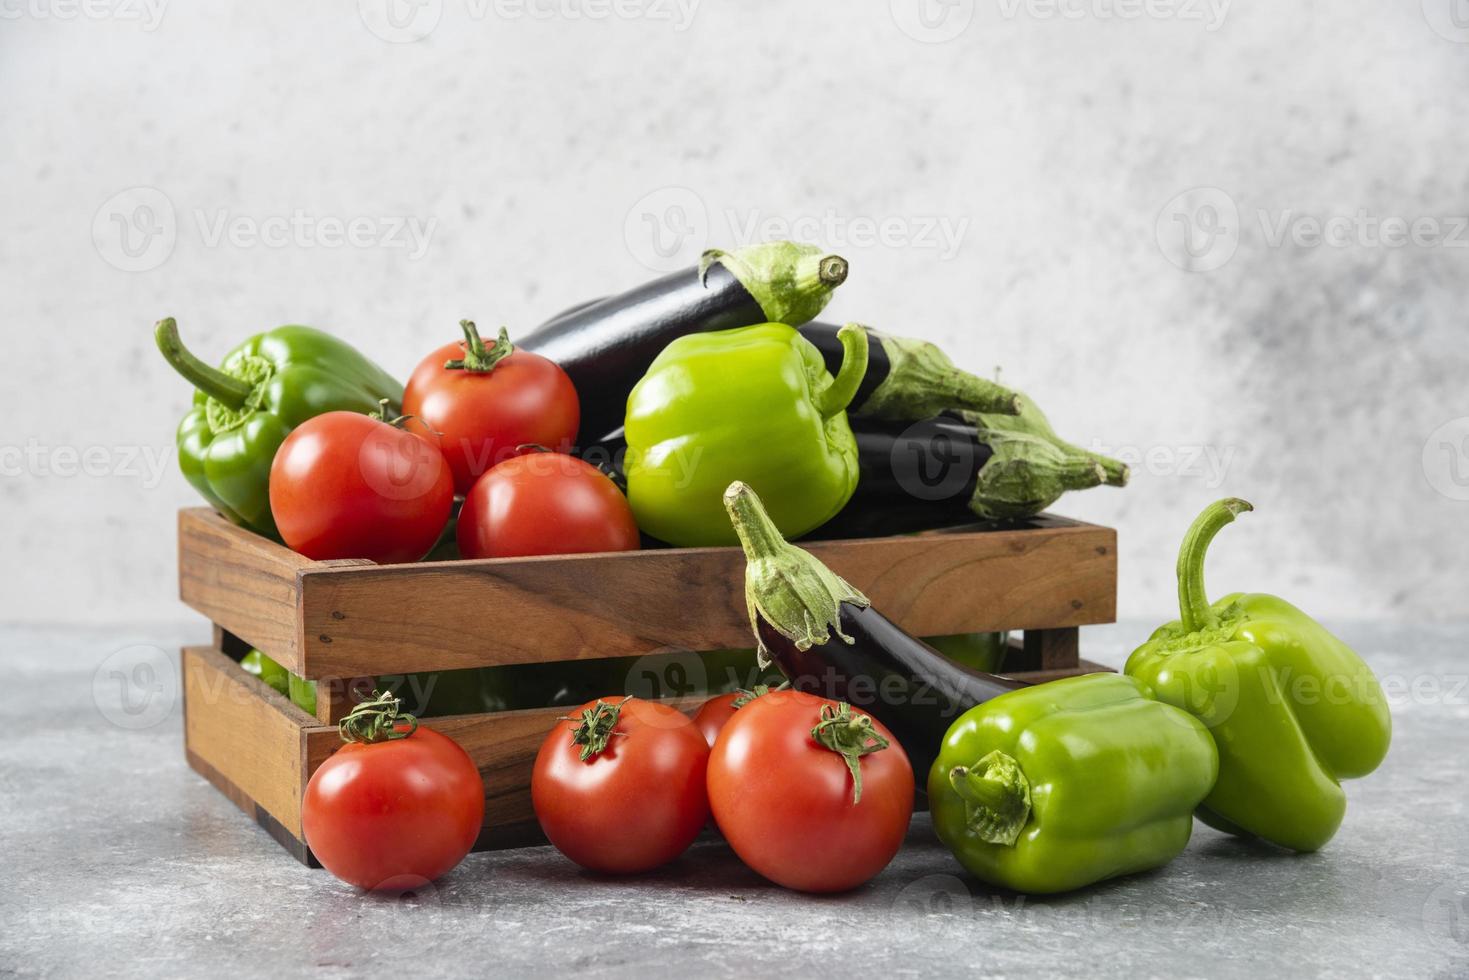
pixel 337 622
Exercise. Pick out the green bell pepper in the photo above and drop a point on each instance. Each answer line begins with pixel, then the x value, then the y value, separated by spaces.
pixel 977 651
pixel 1053 787
pixel 1292 708
pixel 244 409
pixel 272 673
pixel 753 404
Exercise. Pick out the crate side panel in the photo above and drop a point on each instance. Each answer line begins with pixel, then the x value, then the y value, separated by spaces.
pixel 479 613
pixel 241 582
pixel 245 732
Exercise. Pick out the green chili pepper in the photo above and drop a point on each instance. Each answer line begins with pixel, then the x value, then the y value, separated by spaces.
pixel 1291 707
pixel 754 404
pixel 244 409
pixel 1056 786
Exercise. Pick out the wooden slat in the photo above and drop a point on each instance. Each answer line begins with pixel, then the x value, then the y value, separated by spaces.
pixel 503 747
pixel 1053 649
pixel 247 734
pixel 1041 676
pixel 244 583
pixel 439 616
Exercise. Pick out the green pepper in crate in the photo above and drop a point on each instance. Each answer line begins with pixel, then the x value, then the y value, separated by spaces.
pixel 753 404
pixel 977 651
pixel 1292 708
pixel 1057 786
pixel 267 670
pixel 244 409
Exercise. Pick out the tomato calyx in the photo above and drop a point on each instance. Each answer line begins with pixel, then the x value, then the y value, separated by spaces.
pixel 849 736
pixel 397 421
pixel 745 696
pixel 376 720
pixel 596 727
pixel 479 359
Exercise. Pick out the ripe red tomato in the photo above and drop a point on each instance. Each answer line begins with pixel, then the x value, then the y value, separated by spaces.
pixel 718 710
pixel 785 802
pixel 619 786
pixel 391 815
pixel 544 504
pixel 712 715
pixel 491 405
pixel 344 485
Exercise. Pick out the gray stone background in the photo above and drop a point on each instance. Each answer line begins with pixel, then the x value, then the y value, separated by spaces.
pixel 1122 203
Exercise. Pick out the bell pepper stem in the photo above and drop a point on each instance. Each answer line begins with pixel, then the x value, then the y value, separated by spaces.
pixel 226 389
pixel 1193 600
pixel 478 358
pixel 996 797
pixel 836 396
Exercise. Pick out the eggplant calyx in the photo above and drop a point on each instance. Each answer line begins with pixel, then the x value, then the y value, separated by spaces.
pixel 595 727
pixel 1031 421
pixel 996 797
pixel 478 358
pixel 376 720
pixel 1025 475
pixel 790 589
pixel 849 736
pixel 922 382
pixel 792 282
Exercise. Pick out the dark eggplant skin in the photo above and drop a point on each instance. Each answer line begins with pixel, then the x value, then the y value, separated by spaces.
pixel 934 461
pixel 824 337
pixel 901 681
pixel 606 346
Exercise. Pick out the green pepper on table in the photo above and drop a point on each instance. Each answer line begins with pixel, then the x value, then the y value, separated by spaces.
pixel 1292 708
pixel 244 409
pixel 754 404
pixel 1054 787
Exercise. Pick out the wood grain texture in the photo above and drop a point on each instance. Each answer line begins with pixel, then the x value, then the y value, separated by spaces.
pixel 247 734
pixel 244 583
pixel 439 616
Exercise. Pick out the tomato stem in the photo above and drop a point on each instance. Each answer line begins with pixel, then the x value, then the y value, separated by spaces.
pixel 478 358
pixel 850 736
pixel 376 720
pixel 595 727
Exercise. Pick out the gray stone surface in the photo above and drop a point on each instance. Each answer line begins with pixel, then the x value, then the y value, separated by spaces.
pixel 119 860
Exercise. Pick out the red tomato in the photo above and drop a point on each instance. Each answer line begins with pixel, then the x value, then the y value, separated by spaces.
pixel 712 715
pixel 786 803
pixel 544 504
pixel 345 485
pixel 484 415
pixel 637 800
pixel 392 815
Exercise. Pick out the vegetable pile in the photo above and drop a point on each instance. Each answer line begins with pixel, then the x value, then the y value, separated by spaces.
pixel 708 408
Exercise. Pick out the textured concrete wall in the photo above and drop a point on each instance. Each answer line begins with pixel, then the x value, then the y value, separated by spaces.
pixel 1120 203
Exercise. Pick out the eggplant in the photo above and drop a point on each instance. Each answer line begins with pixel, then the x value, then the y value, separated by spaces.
pixel 950 470
pixel 606 346
pixel 910 379
pixel 826 638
